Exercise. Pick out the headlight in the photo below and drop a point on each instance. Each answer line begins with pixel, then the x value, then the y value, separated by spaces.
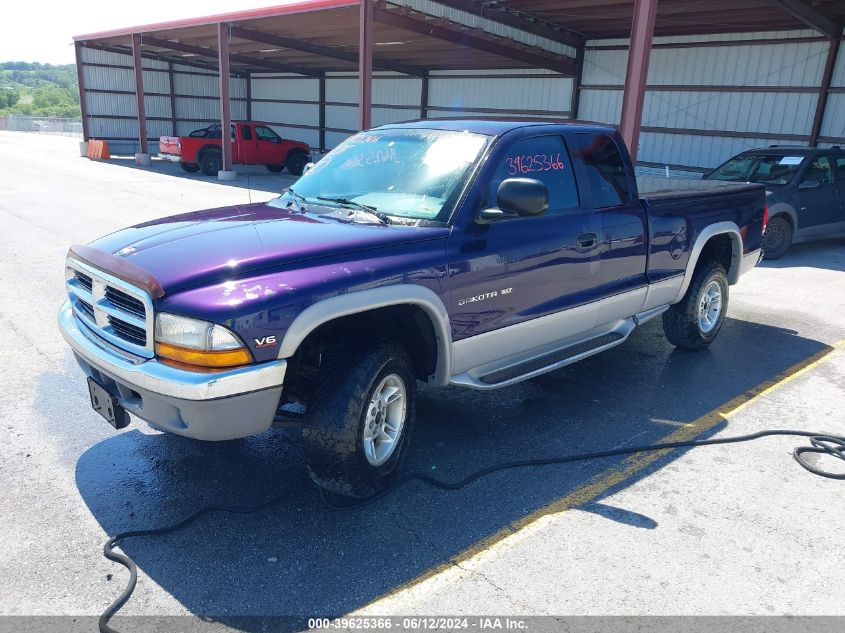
pixel 196 342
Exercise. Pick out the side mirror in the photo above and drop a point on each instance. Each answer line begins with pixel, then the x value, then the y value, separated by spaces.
pixel 307 168
pixel 809 184
pixel 517 197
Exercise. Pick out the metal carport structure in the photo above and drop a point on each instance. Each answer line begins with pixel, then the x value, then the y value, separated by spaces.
pixel 301 61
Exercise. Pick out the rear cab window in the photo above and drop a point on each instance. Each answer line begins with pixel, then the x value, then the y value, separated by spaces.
pixel 543 158
pixel 604 170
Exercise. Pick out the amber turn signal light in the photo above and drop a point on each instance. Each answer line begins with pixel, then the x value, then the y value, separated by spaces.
pixel 201 358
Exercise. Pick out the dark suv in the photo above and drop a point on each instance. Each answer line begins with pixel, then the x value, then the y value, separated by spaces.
pixel 805 191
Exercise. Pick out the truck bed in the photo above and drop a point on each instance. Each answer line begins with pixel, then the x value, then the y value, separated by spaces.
pixel 656 188
pixel 680 209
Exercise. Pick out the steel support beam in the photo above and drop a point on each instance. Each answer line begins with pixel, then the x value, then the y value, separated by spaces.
pixel 365 64
pixel 241 59
pixel 172 85
pixel 821 104
pixel 83 102
pixel 139 92
pixel 321 50
pixel 322 112
pixel 122 50
pixel 225 112
pixel 642 30
pixel 809 15
pixel 575 102
pixel 404 20
pixel 522 20
pixel 424 98
pixel 249 97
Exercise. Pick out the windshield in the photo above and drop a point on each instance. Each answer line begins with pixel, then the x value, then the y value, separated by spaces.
pixel 405 173
pixel 768 169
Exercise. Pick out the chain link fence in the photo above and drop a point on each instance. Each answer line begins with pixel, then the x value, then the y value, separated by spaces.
pixel 42 125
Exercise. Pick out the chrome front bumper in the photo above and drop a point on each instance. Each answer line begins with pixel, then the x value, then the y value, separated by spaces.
pixel 173 158
pixel 210 406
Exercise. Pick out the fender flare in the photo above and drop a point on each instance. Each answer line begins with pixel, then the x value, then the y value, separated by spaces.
pixel 343 305
pixel 208 146
pixel 294 150
pixel 784 208
pixel 719 228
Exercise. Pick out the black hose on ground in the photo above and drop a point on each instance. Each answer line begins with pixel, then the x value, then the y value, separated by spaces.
pixel 819 444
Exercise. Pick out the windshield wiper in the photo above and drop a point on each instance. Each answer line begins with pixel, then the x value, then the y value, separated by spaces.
pixel 373 211
pixel 300 200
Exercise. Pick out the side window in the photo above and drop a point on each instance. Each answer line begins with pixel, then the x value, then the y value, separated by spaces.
pixel 266 134
pixel 246 132
pixel 840 169
pixel 604 167
pixel 544 158
pixel 819 170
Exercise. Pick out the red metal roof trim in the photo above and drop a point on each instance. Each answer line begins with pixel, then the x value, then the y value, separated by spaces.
pixel 295 7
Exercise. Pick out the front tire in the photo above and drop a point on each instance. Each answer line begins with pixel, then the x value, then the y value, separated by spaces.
pixel 191 168
pixel 695 322
pixel 359 425
pixel 296 162
pixel 778 237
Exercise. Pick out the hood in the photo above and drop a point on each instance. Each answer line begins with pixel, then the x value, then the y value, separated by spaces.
pixel 206 247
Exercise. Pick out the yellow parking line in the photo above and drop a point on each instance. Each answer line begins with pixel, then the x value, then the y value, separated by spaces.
pixel 615 475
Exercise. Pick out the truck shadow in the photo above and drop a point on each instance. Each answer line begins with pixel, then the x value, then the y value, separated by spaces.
pixel 829 254
pixel 298 559
pixel 255 177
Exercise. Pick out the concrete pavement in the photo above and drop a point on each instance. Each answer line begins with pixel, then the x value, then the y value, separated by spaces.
pixel 725 530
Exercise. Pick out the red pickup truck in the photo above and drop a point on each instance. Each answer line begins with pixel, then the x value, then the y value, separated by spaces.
pixel 253 143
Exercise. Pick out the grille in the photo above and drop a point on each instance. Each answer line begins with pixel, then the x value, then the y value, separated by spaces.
pixel 118 312
pixel 86 307
pixel 129 332
pixel 84 281
pixel 126 302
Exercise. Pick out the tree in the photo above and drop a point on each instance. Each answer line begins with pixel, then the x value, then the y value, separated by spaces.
pixel 38 89
pixel 9 96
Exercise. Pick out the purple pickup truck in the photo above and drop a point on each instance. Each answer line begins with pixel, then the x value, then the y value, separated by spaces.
pixel 471 253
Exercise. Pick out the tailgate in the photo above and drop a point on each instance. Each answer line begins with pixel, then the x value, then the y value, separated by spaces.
pixel 170 145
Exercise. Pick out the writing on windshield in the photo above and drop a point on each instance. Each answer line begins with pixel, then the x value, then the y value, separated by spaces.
pixel 372 157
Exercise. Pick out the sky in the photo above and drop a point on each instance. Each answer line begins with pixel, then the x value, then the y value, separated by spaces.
pixel 45 34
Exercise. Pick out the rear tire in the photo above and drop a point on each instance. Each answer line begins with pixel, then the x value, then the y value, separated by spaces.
pixel 359 425
pixel 296 162
pixel 778 237
pixel 211 162
pixel 191 168
pixel 695 322
pixel 274 169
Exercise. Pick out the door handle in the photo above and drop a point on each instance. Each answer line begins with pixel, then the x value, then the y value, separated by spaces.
pixel 586 241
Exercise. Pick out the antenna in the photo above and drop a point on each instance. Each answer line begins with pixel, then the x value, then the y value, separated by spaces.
pixel 246 162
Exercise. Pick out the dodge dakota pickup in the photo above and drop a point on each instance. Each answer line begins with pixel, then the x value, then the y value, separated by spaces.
pixel 252 144
pixel 471 253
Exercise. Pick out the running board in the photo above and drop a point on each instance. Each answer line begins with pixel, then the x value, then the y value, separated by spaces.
pixel 549 361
